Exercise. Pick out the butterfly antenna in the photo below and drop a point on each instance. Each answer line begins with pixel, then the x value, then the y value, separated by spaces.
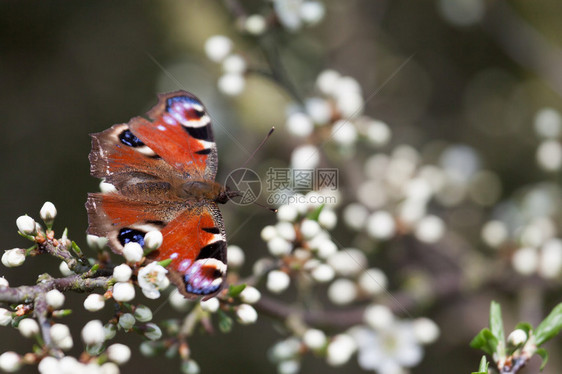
pixel 265 207
pixel 259 147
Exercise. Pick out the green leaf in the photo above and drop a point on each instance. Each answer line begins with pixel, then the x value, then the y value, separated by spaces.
pixel 485 341
pixel 483 367
pixel 316 213
pixel 225 322
pixel 550 326
pixel 76 248
pixel 544 355
pixel 235 290
pixel 165 263
pixel 496 323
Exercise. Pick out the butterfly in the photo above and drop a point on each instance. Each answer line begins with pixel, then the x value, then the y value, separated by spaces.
pixel 163 172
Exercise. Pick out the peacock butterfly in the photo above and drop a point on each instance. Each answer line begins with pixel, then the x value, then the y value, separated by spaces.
pixel 163 171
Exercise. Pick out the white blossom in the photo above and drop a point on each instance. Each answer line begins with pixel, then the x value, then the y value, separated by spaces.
pixel 430 229
pixel 64 269
pixel 217 47
pixel 210 305
pixel 26 225
pixel 231 84
pixel 126 321
pixel 152 278
pixel 373 281
pixel 96 242
pixel 4 283
pixel 340 350
pixel 327 219
pixel 93 333
pixel 133 252
pixel 517 337
pixel 277 281
pixel 48 365
pixel 344 132
pixel 178 301
pixel 250 295
pixel 549 155
pixel 235 256
pixel 286 230
pixel 309 228
pixel 10 362
pixel 55 299
pixel 494 233
pixel 425 330
pixel 287 213
pixel 143 313
pixel 548 123
pixel 246 314
pixel 123 291
pixel 234 64
pixel 152 240
pixel 378 316
pixel 348 262
pixel 299 124
pixel 342 291
pixel 13 257
pixel 28 327
pixel 152 332
pixel 305 156
pixel 122 273
pixel 378 133
pixel 268 233
pixel 255 24
pixel 525 260
pixel 279 247
pixel 323 273
pixel 319 110
pixel 327 81
pixel 314 339
pixel 48 212
pixel 5 317
pixel 312 12
pixel 381 225
pixel 61 336
pixel 94 302
pixel 118 353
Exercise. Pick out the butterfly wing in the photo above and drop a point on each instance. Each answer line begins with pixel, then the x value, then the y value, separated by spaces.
pixel 150 163
pixel 181 134
pixel 193 236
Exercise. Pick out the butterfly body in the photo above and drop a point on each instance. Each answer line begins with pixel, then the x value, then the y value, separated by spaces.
pixel 163 172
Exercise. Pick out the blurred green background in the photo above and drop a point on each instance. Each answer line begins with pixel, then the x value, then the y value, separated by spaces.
pixel 70 68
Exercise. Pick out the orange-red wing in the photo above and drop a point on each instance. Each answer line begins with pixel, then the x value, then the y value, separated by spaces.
pixel 196 243
pixel 181 134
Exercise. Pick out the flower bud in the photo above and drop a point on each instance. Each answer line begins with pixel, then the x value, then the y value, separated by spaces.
pixel 340 350
pixel 314 339
pixel 217 47
pixel 61 336
pixel 28 327
pixel 246 314
pixel 211 305
pixel 13 257
pixel 64 269
pixel 122 273
pixel 5 317
pixel 55 299
pixel 118 353
pixel 235 256
pixel 277 281
pixel 517 337
pixel 26 225
pixel 4 283
pixel 152 240
pixel 153 332
pixel 250 295
pixel 143 313
pixel 93 333
pixel 94 302
pixel 123 291
pixel 10 361
pixel 48 213
pixel 127 321
pixel 133 252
